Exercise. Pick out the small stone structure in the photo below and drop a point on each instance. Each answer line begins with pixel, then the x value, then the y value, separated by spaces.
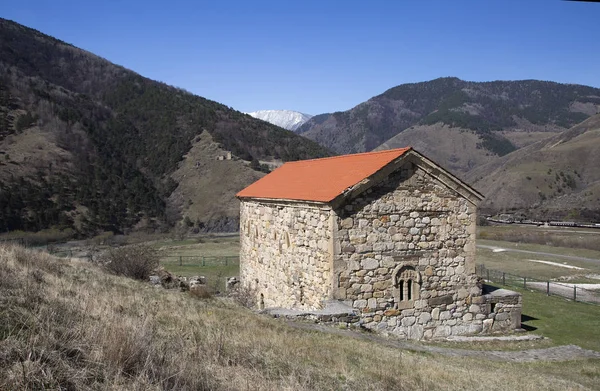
pixel 227 156
pixel 389 233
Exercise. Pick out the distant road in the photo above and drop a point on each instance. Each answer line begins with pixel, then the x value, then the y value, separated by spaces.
pixel 571 257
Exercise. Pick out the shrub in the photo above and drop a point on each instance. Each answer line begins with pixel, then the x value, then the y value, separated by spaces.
pixel 245 297
pixel 482 221
pixel 102 238
pixel 135 261
pixel 200 292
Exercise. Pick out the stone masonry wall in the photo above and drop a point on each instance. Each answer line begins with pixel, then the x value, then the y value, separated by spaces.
pixel 285 253
pixel 405 256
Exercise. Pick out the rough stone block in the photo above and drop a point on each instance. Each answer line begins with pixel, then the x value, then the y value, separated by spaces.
pixel 372 238
pixel 379 246
pixel 408 321
pixel 388 261
pixel 487 326
pixel 383 271
pixel 347 223
pixel 462 293
pixel 439 300
pixel 369 264
pixel 429 271
pixel 419 304
pixel 382 285
pixel 372 303
pixel 359 303
pixel 502 316
pixel 475 291
pixel 424 317
pixel 474 308
pixel 366 288
pixel 364 248
pixel 415 332
pixel 442 331
pixel 348 249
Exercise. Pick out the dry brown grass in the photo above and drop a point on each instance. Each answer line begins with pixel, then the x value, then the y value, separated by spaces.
pixel 577 238
pixel 69 325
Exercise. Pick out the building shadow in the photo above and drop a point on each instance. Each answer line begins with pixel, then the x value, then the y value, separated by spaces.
pixel 527 318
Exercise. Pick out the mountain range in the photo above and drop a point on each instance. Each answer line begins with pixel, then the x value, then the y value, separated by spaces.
pixel 501 116
pixel 88 144
pixel 287 119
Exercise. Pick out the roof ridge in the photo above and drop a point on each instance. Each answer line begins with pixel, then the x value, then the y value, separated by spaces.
pixel 405 149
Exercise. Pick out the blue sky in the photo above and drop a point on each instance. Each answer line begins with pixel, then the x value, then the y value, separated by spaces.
pixel 324 56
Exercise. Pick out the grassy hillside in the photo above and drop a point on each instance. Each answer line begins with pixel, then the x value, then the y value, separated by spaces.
pixel 457 149
pixel 556 178
pixel 69 325
pixel 488 110
pixel 90 144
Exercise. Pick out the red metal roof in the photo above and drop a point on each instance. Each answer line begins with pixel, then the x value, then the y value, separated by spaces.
pixel 320 180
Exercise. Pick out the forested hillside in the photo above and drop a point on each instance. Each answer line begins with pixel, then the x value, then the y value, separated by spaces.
pixel 492 111
pixel 89 144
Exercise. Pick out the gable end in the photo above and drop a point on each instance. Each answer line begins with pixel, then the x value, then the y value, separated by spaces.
pixel 427 165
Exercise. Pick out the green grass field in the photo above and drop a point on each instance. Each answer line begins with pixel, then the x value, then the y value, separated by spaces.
pixel 214 257
pixel 209 246
pixel 561 320
pixel 521 263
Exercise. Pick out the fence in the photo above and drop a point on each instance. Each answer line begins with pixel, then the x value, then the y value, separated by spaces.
pixel 17 241
pixel 566 290
pixel 200 260
pixel 67 253
pixel 172 260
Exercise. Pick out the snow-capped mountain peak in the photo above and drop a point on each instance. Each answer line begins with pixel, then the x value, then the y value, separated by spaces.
pixel 287 119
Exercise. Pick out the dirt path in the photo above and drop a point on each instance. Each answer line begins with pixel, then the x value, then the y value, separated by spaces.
pixel 557 353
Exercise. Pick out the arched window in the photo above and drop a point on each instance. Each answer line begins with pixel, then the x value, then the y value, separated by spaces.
pixel 401 286
pixel 407 284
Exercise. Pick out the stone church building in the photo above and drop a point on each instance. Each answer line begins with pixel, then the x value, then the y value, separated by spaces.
pixel 391 234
